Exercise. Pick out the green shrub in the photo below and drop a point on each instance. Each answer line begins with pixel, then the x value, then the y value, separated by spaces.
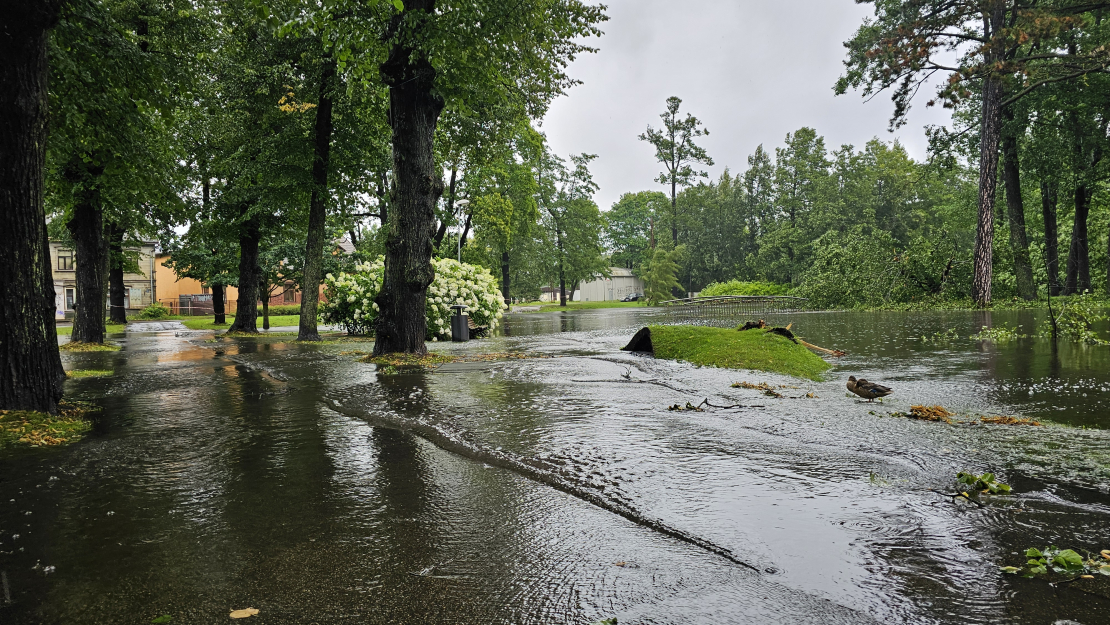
pixel 737 287
pixel 157 310
pixel 283 310
pixel 351 297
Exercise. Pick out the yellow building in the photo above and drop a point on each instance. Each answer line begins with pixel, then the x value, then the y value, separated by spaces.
pixel 171 289
pixel 140 289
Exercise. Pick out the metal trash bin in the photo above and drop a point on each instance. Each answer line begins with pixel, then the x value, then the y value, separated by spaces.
pixel 460 324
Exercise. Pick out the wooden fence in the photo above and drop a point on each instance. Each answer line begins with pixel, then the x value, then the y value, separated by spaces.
pixel 730 308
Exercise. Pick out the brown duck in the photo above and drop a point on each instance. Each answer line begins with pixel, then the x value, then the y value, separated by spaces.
pixel 867 390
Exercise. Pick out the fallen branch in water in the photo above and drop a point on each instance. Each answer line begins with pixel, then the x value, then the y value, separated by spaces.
pixel 832 352
pixel 955 495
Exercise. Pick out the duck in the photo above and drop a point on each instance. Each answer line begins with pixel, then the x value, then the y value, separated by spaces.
pixel 867 390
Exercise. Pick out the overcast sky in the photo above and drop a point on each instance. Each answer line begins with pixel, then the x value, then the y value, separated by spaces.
pixel 750 70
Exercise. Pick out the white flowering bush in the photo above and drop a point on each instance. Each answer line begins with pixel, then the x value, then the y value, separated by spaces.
pixel 350 297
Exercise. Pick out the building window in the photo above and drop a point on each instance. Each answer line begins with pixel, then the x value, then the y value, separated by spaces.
pixel 65 260
pixel 204 290
pixel 290 294
pixel 69 299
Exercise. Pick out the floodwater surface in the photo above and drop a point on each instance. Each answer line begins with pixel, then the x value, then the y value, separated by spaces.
pixel 295 479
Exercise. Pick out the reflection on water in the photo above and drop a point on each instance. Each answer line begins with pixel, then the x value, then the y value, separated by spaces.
pixel 257 473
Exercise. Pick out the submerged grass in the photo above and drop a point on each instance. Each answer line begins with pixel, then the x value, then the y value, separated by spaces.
pixel 718 347
pixel 88 373
pixel 25 428
pixel 89 347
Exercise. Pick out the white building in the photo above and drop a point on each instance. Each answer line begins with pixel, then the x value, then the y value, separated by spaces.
pixel 621 283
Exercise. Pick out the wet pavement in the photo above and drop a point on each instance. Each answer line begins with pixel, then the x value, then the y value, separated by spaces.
pixel 233 473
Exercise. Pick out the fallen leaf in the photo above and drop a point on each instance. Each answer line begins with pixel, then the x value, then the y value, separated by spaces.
pixel 621 563
pixel 243 613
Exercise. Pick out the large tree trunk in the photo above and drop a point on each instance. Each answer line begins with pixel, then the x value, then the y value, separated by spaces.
pixel 1015 206
pixel 32 375
pixel 117 313
pixel 1049 197
pixel 505 283
pixel 86 227
pixel 988 166
pixel 1078 275
pixel 218 313
pixel 318 209
pixel 264 293
pixel 414 109
pixel 246 314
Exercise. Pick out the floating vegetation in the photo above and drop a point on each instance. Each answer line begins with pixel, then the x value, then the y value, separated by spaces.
pixel 938 338
pixel 1008 420
pixel 80 346
pixel 39 429
pixel 688 406
pixel 762 386
pixel 1061 561
pixel 985 483
pixel 88 373
pixel 1000 334
pixel 927 413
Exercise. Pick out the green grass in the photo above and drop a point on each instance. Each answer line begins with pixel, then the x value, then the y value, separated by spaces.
pixel 205 323
pixel 89 347
pixel 732 349
pixel 88 373
pixel 554 306
pixel 111 328
pixel 24 428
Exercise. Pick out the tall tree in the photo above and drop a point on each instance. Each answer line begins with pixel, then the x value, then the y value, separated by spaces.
pixel 1002 46
pixel 1015 206
pixel 676 150
pixel 628 227
pixel 318 210
pixel 441 52
pixel 32 376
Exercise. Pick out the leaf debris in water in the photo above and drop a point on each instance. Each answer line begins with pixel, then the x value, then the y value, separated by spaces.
pixel 244 613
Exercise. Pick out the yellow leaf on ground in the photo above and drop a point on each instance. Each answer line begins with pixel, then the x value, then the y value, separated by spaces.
pixel 243 613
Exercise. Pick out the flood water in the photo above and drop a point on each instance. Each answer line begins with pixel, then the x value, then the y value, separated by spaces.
pixel 234 473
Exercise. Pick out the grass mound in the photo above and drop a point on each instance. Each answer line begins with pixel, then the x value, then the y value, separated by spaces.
pixel 717 347
pixel 39 429
pixel 88 373
pixel 73 346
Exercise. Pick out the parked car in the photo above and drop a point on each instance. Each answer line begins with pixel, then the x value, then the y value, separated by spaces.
pixel 632 297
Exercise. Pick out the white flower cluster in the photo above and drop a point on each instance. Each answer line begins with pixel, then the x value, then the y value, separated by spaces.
pixel 350 297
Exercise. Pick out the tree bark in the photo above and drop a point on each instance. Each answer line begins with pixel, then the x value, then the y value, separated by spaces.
pixel 86 226
pixel 1015 206
pixel 674 210
pixel 1078 275
pixel 32 377
pixel 990 131
pixel 218 313
pixel 414 109
pixel 505 278
pixel 318 209
pixel 246 315
pixel 264 294
pixel 1049 195
pixel 117 313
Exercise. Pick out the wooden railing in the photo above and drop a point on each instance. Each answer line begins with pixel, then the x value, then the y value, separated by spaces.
pixel 731 308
